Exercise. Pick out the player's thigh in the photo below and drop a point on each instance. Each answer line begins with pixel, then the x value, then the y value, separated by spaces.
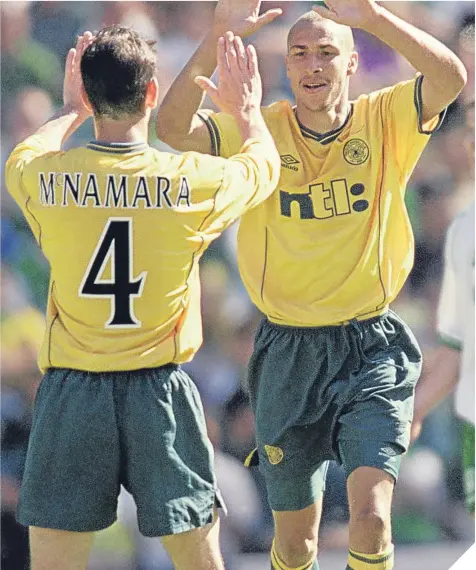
pixel 198 548
pixel 59 550
pixel 168 456
pixel 71 477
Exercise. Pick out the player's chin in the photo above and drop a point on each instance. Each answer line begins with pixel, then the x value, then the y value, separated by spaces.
pixel 316 106
pixel 317 103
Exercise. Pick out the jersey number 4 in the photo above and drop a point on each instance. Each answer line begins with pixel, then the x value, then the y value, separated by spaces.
pixel 115 245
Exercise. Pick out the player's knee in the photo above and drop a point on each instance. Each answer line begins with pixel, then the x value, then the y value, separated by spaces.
pixel 371 521
pixel 295 550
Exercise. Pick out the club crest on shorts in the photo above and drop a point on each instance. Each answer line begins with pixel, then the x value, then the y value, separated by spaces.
pixel 275 454
pixel 356 151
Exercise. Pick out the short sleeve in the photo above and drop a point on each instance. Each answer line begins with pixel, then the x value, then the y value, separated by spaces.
pixel 407 134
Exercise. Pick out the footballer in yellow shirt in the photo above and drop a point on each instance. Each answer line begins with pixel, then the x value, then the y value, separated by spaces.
pixel 123 227
pixel 333 371
pixel 335 242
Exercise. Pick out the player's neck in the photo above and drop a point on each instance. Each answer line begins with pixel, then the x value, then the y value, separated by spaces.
pixel 323 121
pixel 108 130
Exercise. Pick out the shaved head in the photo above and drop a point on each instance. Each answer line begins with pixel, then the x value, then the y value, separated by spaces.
pixel 311 19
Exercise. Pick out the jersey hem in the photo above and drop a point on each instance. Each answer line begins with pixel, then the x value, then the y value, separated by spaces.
pixel 294 324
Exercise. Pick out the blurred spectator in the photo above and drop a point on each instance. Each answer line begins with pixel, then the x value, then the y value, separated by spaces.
pixel 191 23
pixel 32 107
pixel 24 61
pixel 22 329
pixel 54 24
pixel 465 51
pixel 242 528
pixel 435 211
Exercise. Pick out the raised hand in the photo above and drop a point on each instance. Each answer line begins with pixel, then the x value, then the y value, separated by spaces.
pixel 239 87
pixel 241 17
pixel 73 80
pixel 354 13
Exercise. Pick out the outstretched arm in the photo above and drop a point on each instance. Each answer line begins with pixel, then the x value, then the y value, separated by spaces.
pixel 177 124
pixel 444 74
pixel 435 385
pixel 441 377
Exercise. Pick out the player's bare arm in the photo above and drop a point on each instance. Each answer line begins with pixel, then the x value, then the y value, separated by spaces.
pixel 177 124
pixel 435 384
pixel 444 74
pixel 74 111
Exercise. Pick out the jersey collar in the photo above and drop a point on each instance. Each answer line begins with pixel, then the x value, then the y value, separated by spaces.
pixel 324 138
pixel 118 148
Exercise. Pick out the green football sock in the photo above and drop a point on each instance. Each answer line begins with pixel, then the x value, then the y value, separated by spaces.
pixel 381 561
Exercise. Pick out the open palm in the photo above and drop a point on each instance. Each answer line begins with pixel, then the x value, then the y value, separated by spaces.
pixel 73 81
pixel 241 17
pixel 239 82
pixel 354 13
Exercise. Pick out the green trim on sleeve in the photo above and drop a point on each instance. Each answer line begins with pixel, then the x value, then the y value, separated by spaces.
pixel 450 342
pixel 419 108
pixel 214 133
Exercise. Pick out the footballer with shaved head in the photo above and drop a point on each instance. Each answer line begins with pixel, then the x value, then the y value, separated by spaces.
pixel 333 371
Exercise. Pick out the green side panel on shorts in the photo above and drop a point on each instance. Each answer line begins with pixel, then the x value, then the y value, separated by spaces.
pixel 468 463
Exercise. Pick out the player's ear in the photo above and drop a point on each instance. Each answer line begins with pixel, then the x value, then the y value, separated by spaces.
pixel 353 63
pixel 85 100
pixel 152 94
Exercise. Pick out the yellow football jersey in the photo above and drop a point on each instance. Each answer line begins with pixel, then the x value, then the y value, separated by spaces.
pixel 334 242
pixel 123 227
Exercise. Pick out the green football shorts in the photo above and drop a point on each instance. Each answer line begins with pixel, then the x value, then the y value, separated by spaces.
pixel 336 392
pixel 468 463
pixel 93 432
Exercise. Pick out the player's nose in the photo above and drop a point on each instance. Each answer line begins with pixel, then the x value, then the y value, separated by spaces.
pixel 314 64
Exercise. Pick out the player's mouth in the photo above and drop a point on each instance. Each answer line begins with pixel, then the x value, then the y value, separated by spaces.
pixel 313 86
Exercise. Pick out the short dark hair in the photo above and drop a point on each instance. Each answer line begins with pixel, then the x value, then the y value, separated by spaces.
pixel 116 69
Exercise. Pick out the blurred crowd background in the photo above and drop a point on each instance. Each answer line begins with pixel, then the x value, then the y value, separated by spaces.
pixel 35 37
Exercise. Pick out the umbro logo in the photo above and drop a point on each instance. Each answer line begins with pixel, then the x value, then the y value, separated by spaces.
pixel 288 161
pixel 388 451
